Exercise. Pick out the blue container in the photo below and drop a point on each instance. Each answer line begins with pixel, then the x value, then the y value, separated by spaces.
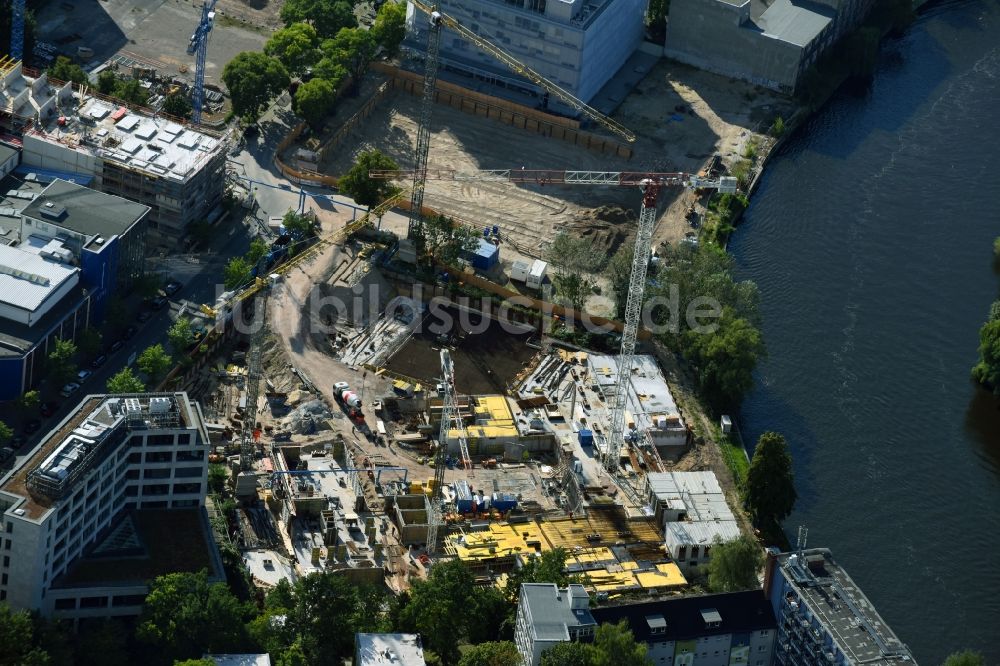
pixel 484 257
pixel 504 502
pixel 464 499
pixel 496 230
pixel 586 437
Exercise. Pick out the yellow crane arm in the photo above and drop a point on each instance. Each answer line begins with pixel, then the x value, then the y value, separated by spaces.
pixel 520 68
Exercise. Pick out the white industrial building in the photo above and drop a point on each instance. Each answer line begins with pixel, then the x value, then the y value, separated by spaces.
pixel 694 512
pixel 112 497
pixel 548 615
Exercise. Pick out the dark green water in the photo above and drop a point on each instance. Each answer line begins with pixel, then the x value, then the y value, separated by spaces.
pixel 871 239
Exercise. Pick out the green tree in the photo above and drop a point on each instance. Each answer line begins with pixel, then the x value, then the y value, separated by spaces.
pixel 569 654
pixel 236 273
pixel 253 80
pixel 965 658
pixel 281 597
pixel 491 602
pixel 217 477
pixel 17 636
pixel 438 608
pixel 102 644
pixel 179 335
pixel 327 16
pixel 498 653
pixel 549 567
pixel 328 611
pixel 148 286
pixel 996 247
pixel 615 645
pixel 30 399
pixel 258 249
pixel 301 224
pixel 725 359
pixel 733 565
pixel 295 46
pixel 313 101
pixel 154 361
pixel 106 82
pixel 330 70
pixel 177 105
pixel 65 69
pixel 365 190
pixel 186 616
pixel 777 129
pixel 575 260
pixel 618 273
pixel 987 370
pixel 770 494
pixel 132 92
pixel 88 342
pixel 270 633
pixel 60 364
pixel 389 28
pixel 6 432
pixel 124 381
pixel 354 48
pixel 295 655
pixel 445 241
pixel 195 662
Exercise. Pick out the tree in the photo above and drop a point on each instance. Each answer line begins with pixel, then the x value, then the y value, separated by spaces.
pixel 30 399
pixel 217 477
pixel 17 636
pixel 154 361
pixel 389 28
pixel 354 48
pixel 65 69
pixel 438 608
pixel 328 611
pixel 996 247
pixel 965 658
pixel 88 342
pixel 103 644
pixel 106 82
pixel 549 567
pixel 116 316
pixel 569 654
pixel 734 565
pixel 615 644
pixel 303 225
pixel 253 80
pixel 179 334
pixel 499 653
pixel 6 432
pixel 574 259
pixel 124 381
pixel 777 127
pixel 258 249
pixel 619 272
pixel 987 370
pixel 237 273
pixel 60 364
pixel 330 70
pixel 132 92
pixel 177 105
pixel 770 486
pixel 195 662
pixel 148 286
pixel 185 616
pixel 725 359
pixel 328 17
pixel 271 633
pixel 295 46
pixel 490 602
pixel 358 185
pixel 445 241
pixel 313 100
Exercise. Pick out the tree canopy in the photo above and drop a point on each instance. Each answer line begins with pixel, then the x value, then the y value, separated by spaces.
pixel 177 105
pixel 353 48
pixel 965 658
pixel 61 364
pixel 295 46
pixel 65 69
pixel 493 653
pixel 236 273
pixel 358 185
pixel 725 359
pixel 770 494
pixel 614 645
pixel 313 100
pixel 389 29
pixel 438 608
pixel 179 335
pixel 328 17
pixel 154 361
pixel 20 641
pixel 124 381
pixel 6 432
pixel 987 370
pixel 733 565
pixel 253 80
pixel 445 241
pixel 575 260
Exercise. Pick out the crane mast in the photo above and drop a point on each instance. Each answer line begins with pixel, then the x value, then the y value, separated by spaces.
pixel 199 47
pixel 17 30
pixel 424 126
pixel 450 419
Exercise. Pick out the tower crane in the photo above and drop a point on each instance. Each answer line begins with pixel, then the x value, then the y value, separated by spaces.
pixel 450 419
pixel 650 184
pixel 438 21
pixel 199 46
pixel 17 30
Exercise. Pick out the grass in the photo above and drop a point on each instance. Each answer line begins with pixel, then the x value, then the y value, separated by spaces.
pixel 736 459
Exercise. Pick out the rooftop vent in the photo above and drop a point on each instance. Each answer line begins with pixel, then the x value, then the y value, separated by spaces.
pixel 52 210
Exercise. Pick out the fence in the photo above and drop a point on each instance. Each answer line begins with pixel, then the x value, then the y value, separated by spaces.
pixel 362 113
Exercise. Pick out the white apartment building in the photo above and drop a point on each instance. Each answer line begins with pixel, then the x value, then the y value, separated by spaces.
pixel 548 615
pixel 82 518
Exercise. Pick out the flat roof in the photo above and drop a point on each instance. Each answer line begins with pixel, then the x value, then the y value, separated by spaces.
pixel 698 494
pixel 648 398
pixel 17 339
pixel 145 544
pixel 27 280
pixel 403 649
pixel 797 23
pixel 842 607
pixel 84 211
pixel 552 612
pixel 240 659
pixel 701 533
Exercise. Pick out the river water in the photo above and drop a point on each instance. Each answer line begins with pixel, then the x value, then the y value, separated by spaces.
pixel 871 240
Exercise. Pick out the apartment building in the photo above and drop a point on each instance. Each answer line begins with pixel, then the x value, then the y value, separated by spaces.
pixel 577 44
pixel 548 615
pixel 823 617
pixel 109 499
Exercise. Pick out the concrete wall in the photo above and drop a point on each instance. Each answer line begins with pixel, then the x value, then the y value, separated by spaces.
pixel 609 42
pixel 713 35
pixel 47 155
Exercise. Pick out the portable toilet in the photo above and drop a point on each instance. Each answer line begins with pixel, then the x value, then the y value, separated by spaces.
pixel 586 437
pixel 726 424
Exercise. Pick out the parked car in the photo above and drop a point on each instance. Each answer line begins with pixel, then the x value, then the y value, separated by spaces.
pixel 130 332
pixel 83 375
pixel 32 426
pixel 69 389
pixel 158 303
pixel 144 316
pixel 115 346
pixel 48 408
pixel 6 454
pixel 172 288
pixel 98 362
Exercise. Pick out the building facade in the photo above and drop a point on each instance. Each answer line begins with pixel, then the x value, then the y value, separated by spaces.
pixel 576 44
pixel 709 630
pixel 823 617
pixel 548 615
pixel 82 515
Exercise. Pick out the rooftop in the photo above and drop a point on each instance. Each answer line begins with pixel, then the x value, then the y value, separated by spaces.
pixel 701 533
pixel 796 22
pixel 16 338
pixel 145 544
pixel 240 659
pixel 649 404
pixel 28 280
pixel 553 612
pixel 834 598
pixel 697 494
pixel 402 649
pixel 684 618
pixel 85 211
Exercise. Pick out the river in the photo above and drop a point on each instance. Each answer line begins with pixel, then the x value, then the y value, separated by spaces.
pixel 871 240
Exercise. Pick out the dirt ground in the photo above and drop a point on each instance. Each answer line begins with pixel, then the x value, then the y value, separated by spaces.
pixel 718 117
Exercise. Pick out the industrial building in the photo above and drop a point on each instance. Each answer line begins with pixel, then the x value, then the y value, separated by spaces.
pixel 548 615
pixel 823 616
pixel 379 649
pixel 770 45
pixel 693 510
pixel 112 497
pixel 704 630
pixel 70 249
pixel 577 44
pixel 176 170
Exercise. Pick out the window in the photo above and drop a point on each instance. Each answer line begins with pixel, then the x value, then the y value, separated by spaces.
pixel 156 473
pixel 10 527
pixel 93 602
pixel 187 488
pixel 156 489
pixel 159 440
pixel 155 505
pixel 162 457
pixel 188 472
pixel 184 439
pixel 65 604
pixel 682 553
pixel 6 560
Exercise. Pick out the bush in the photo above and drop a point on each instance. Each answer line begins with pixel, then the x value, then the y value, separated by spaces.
pixel 777 128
